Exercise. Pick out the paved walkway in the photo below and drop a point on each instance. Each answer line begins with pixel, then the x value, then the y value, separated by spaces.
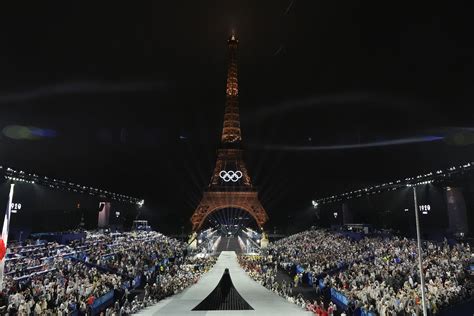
pixel 263 301
pixel 229 244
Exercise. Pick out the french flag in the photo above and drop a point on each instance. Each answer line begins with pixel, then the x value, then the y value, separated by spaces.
pixel 4 240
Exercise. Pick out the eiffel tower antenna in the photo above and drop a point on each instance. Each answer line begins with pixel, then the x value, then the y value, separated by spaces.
pixel 231 130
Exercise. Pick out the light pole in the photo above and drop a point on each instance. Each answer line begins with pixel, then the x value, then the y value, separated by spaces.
pixel 420 254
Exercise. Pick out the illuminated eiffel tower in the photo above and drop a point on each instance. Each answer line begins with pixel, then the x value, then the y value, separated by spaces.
pixel 230 185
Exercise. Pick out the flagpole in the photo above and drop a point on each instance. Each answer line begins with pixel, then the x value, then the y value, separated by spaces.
pixel 6 226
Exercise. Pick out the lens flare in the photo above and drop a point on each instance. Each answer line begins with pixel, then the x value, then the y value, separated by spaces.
pixel 19 132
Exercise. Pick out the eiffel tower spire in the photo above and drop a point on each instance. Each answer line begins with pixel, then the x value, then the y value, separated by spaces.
pixel 231 129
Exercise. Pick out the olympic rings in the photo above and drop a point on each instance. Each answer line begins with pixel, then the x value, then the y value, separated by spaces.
pixel 230 175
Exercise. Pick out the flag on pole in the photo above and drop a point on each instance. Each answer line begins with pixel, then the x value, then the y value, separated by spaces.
pixel 4 240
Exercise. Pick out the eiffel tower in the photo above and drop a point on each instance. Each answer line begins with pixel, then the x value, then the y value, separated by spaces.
pixel 230 185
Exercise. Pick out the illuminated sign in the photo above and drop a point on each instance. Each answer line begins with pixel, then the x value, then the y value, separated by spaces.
pixel 424 208
pixel 230 175
pixel 15 207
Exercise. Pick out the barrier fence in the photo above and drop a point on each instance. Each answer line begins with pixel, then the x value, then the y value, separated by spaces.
pixel 102 302
pixel 339 299
pixel 61 238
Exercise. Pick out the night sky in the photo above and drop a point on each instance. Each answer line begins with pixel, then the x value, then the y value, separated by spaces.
pixel 130 96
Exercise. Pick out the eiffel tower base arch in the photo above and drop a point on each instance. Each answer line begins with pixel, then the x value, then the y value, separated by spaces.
pixel 214 201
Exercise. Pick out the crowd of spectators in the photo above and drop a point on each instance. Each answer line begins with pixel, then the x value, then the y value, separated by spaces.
pixel 130 255
pixel 52 279
pixel 264 271
pixel 160 285
pixel 377 274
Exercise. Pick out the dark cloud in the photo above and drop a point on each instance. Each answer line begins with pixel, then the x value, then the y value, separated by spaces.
pixel 79 88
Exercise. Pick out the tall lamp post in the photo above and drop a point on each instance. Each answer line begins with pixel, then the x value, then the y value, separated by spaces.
pixel 420 254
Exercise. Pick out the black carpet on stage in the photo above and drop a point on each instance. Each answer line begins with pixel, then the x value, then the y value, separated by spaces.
pixel 223 297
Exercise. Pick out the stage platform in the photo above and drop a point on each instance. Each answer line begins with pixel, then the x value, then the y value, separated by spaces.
pixel 263 301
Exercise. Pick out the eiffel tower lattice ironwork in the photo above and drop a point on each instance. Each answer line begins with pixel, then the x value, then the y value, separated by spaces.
pixel 230 185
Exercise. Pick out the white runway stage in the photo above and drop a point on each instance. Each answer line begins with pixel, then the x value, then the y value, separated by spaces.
pixel 263 301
